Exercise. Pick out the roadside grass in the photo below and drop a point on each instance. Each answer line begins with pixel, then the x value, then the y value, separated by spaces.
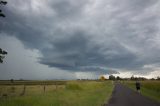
pixel 149 89
pixel 73 93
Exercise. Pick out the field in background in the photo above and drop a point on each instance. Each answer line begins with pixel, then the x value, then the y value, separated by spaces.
pixel 150 89
pixel 55 93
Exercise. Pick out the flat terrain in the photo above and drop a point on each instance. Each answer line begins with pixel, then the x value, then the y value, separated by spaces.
pixel 123 96
pixel 55 93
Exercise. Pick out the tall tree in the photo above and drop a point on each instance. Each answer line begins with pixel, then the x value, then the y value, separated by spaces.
pixel 2 3
pixel 2 52
pixel 112 77
pixel 2 55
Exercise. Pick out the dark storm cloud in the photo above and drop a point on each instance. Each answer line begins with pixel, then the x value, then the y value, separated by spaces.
pixel 68 8
pixel 23 28
pixel 87 35
pixel 73 52
pixel 78 51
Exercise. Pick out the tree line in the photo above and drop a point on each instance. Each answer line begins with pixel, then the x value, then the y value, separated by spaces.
pixel 112 77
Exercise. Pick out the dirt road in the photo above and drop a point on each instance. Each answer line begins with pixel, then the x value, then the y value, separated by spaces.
pixel 123 96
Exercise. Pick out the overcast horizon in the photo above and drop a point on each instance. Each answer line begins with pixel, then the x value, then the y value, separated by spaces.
pixel 72 39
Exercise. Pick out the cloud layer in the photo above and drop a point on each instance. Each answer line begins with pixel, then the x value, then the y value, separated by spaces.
pixel 96 36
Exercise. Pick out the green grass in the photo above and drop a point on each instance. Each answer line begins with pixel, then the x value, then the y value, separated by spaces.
pixel 149 89
pixel 30 82
pixel 73 93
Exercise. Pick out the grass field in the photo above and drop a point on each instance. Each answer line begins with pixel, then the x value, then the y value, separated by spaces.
pixel 150 89
pixel 70 93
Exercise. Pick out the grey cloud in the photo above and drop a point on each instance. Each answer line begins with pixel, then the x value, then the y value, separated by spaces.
pixel 135 7
pixel 73 52
pixel 21 63
pixel 99 70
pixel 78 50
pixel 73 35
pixel 68 8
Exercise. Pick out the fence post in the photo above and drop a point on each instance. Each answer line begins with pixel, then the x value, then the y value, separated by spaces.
pixel 44 88
pixel 56 85
pixel 24 90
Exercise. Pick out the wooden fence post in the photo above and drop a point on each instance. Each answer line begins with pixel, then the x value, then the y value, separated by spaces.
pixel 44 86
pixel 24 90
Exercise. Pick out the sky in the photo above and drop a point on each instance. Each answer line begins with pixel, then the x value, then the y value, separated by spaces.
pixel 70 39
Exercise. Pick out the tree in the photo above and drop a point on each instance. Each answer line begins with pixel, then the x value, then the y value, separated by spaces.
pixel 111 77
pixel 132 77
pixel 2 55
pixel 2 52
pixel 118 78
pixel 158 78
pixel 2 3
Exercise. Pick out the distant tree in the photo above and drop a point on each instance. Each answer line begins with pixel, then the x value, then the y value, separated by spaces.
pixel 2 3
pixel 2 55
pixel 158 78
pixel 152 79
pixel 118 78
pixel 141 78
pixel 132 77
pixel 111 77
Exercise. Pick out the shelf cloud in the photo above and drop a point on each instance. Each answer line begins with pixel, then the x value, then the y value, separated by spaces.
pixel 103 37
